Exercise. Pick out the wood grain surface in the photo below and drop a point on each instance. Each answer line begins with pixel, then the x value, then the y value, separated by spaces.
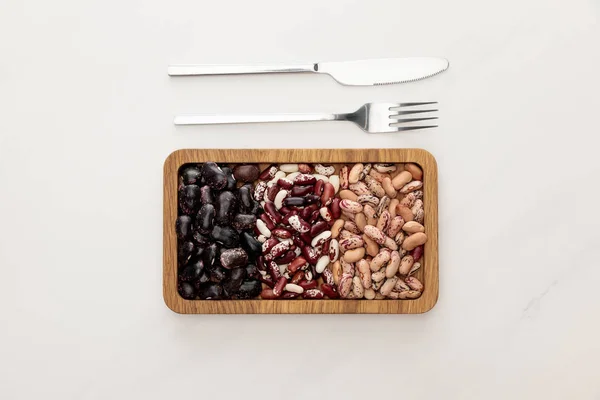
pixel 429 273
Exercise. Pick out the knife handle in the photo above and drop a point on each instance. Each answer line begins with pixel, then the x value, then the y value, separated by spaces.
pixel 188 70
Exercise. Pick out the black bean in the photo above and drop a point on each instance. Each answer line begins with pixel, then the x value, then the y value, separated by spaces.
pixel 193 271
pixel 226 207
pixel 218 274
pixel 186 290
pixel 232 258
pixel 206 195
pixel 191 175
pixel 184 252
pixel 249 289
pixel 231 182
pixel 210 254
pixel 205 218
pixel 246 201
pixel 200 239
pixel 183 226
pixel 252 271
pixel 246 173
pixel 312 199
pixel 250 244
pixel 189 198
pixel 213 176
pixel 210 291
pixel 204 277
pixel 243 222
pixel 294 201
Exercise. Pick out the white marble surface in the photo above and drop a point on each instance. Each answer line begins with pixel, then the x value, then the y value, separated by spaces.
pixel 86 110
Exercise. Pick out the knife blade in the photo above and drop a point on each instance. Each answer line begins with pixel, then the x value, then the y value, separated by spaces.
pixel 359 73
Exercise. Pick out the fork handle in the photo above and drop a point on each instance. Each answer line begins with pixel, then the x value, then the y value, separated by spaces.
pixel 187 70
pixel 253 118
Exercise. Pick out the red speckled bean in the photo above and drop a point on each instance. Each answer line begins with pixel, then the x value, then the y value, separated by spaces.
pixel 267 220
pixel 304 179
pixel 314 217
pixel 278 289
pixel 267 294
pixel 306 238
pixel 296 264
pixel 312 294
pixel 267 280
pixel 269 244
pixel 304 168
pixel 285 183
pixel 328 277
pixel 307 211
pixel 272 212
pixel 326 244
pixel 335 209
pixel 329 291
pixel 310 254
pixel 326 214
pixel 307 285
pixel 299 224
pixel 299 191
pixel 298 241
pixel 268 173
pixel 319 187
pixel 274 270
pixel 286 258
pixel 272 192
pixel 281 233
pixel 290 295
pixel 318 227
pixel 279 249
pixel 328 193
pixel 298 276
pixel 286 217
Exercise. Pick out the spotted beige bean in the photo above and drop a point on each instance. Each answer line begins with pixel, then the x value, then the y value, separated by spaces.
pixel 347 267
pixel 378 176
pixel 401 179
pixel 360 220
pixel 401 286
pixel 336 228
pixel 380 260
pixel 379 296
pixel 351 206
pixel 377 278
pixel 365 171
pixel 385 167
pixel 375 234
pixel 418 205
pixel 354 174
pixel 326 170
pixel 393 265
pixel 413 227
pixel 368 199
pixel 390 243
pixel 384 220
pixel 344 234
pixel 414 283
pixel 369 294
pixel 416 266
pixel 370 213
pixel 420 216
pixel 374 186
pixel 351 226
pixel 389 188
pixel 396 225
pixel 336 271
pixel 357 288
pixel 371 245
pixel 351 243
pixel 411 187
pixel 406 264
pixel 408 200
pixel 354 255
pixel 360 188
pixel 415 171
pixel 384 203
pixel 409 294
pixel 345 285
pixel 418 194
pixel 346 194
pixel 364 272
pixel 387 287
pixel 392 207
pixel 414 240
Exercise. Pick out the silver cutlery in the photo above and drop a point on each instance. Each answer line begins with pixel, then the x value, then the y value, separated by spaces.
pixel 371 117
pixel 363 72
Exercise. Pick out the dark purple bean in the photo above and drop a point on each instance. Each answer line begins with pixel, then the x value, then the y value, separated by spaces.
pixel 184 252
pixel 249 289
pixel 243 222
pixel 191 175
pixel 204 277
pixel 252 271
pixel 205 218
pixel 201 239
pixel 210 254
pixel 209 291
pixel 192 271
pixel 232 258
pixel 186 290
pixel 213 176
pixel 183 226
pixel 250 244
pixel 225 235
pixel 232 285
pixel 189 199
pixel 218 274
pixel 226 207
pixel 311 199
pixel 294 201
pixel 231 182
pixel 261 263
pixel 246 173
pixel 246 201
pixel 299 191
pixel 206 195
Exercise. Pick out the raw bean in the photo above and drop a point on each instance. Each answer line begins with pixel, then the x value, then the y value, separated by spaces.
pixel 334 250
pixel 336 271
pixel 401 286
pixel 344 177
pixel 291 287
pixel 279 286
pixel 414 283
pixel 232 258
pixel 351 227
pixel 287 168
pixel 312 294
pixel 290 295
pixel 404 212
pixel 310 254
pixel 344 234
pixel 409 294
pixel 335 182
pixel 214 176
pixel 191 175
pixel 351 206
pixel 383 222
pixel 415 171
pixel 364 272
pixel 384 203
pixel 304 168
pixel 292 176
pixel 329 291
pixel 369 294
pixel 393 265
pixel 411 187
pixel 277 177
pixel 306 285
pixel 370 214
pixel 387 287
pixel 377 277
pixel 268 173
pixel 321 238
pixel 346 194
pixel 318 188
pixel 390 243
pixel 259 191
pixel 389 189
pixel 401 179
pixel 328 193
pixel 297 277
pixel 324 170
pixel 287 258
pixel 354 174
pixel 392 207
pixel 306 212
pixel 183 225
pixel 417 253
pixel 317 228
pixel 336 228
pixel 347 267
pixel 414 268
pixel 270 192
pixel 271 211
pixel 322 264
pixel 395 226
pixel 408 200
pixel 406 264
pixel 281 233
pixel 345 285
pixel 368 199
pixel 357 288
pixel 304 179
pixel 299 224
pixel 269 244
pixel 325 214
pixel 279 249
pixel 418 194
pixel 420 216
pixel 360 188
pixel 380 260
pixel 328 277
pixel 374 186
pixel 365 171
pixel 379 296
pixel 383 168
pixel 244 221
pixel 351 243
pixel 378 176
pixel 418 205
pixel 285 183
pixel 414 240
pixel 334 208
pixel 278 201
pixel 360 220
pixel 354 255
pixel 189 199
pixel 225 235
pixel 375 234
pixel 267 294
pixel 267 221
pixel 308 275
pixel 299 191
pixel 246 173
pixel 206 195
pixel 413 227
pixel 371 245
pixel 320 177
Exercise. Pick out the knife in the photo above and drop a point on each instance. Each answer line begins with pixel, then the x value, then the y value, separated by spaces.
pixel 362 73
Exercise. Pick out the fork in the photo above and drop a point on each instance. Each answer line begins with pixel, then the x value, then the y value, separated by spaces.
pixel 371 117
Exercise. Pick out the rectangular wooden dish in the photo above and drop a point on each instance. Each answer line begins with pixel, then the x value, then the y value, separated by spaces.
pixel 429 273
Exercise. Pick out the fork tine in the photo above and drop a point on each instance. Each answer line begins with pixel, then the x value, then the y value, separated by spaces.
pixel 400 120
pixel 414 104
pixel 413 112
pixel 410 128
